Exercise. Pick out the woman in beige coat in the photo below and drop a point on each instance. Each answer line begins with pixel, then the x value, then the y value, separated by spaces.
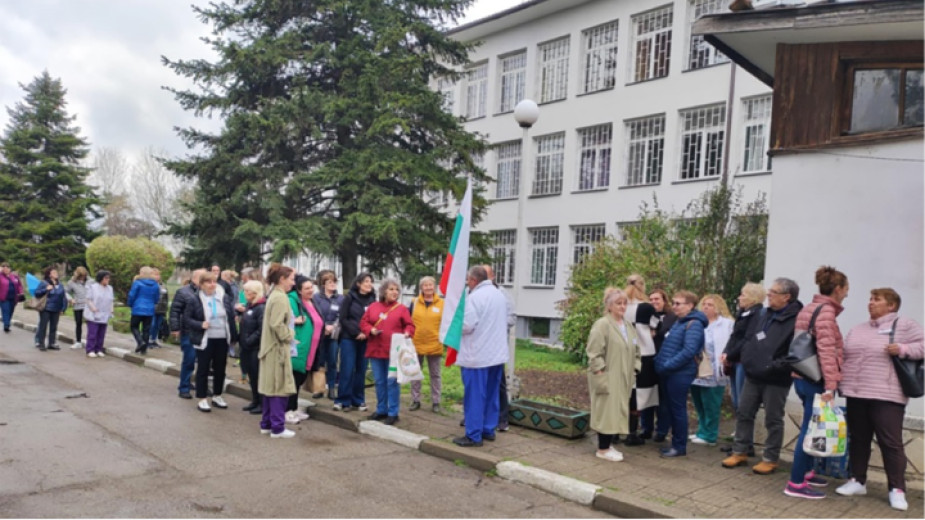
pixel 276 383
pixel 613 361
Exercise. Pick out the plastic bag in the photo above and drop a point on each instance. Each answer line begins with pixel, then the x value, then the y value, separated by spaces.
pixel 403 360
pixel 827 435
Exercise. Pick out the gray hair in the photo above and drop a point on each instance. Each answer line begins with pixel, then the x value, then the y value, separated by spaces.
pixel 430 279
pixel 478 273
pixel 788 286
pixel 254 286
pixel 384 286
pixel 612 295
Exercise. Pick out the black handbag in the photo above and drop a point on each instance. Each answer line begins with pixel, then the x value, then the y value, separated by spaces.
pixel 910 372
pixel 802 356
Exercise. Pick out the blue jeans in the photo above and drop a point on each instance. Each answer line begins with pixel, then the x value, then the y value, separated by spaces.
pixel 47 321
pixel 677 386
pixel 332 349
pixel 657 418
pixel 188 365
pixel 736 385
pixel 6 308
pixel 156 326
pixel 802 462
pixel 481 400
pixel 351 391
pixel 387 389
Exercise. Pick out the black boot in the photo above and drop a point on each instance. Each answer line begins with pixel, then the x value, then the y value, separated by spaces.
pixel 257 410
pixel 251 406
pixel 140 344
pixel 634 440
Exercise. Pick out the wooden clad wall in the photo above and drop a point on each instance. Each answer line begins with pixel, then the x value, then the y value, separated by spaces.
pixel 810 88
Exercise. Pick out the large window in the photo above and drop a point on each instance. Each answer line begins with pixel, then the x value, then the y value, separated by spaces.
pixel 583 240
pixel 599 58
pixel 553 70
pixel 550 162
pixel 513 80
pixel 886 98
pixel 477 91
pixel 757 131
pixel 702 54
pixel 652 44
pixel 702 136
pixel 645 150
pixel 544 248
pixel 447 88
pixel 505 244
pixel 594 157
pixel 507 177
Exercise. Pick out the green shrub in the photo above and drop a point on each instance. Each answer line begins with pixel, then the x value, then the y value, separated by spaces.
pixel 124 256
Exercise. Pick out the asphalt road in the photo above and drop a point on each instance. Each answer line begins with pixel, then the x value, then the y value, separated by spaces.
pixel 86 437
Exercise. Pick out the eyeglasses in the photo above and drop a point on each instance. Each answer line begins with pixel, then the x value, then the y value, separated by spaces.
pixel 776 292
pixel 676 304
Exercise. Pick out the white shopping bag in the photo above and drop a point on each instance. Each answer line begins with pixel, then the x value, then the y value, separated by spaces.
pixel 403 360
pixel 827 433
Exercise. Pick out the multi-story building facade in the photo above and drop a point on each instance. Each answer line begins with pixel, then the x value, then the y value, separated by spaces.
pixel 632 106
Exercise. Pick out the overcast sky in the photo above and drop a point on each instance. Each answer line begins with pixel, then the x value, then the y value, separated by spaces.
pixel 107 53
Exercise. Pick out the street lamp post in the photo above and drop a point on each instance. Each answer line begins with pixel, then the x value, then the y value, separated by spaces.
pixel 526 114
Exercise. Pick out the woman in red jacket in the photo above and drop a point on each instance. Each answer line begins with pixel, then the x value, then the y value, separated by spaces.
pixel 382 320
pixel 833 289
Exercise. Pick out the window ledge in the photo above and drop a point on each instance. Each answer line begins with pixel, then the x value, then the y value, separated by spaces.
pixel 591 190
pixel 754 174
pixel 503 112
pixel 470 119
pixel 598 91
pixel 631 83
pixel 553 101
pixel 699 179
pixel 855 140
pixel 502 199
pixel 647 185
pixel 544 195
pixel 706 67
pixel 538 286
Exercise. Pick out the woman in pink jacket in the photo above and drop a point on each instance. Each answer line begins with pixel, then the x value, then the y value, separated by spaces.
pixel 833 289
pixel 876 403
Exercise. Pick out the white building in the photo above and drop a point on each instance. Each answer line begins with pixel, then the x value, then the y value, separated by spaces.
pixel 631 105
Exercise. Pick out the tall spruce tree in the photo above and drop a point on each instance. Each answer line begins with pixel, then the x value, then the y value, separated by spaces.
pixel 332 136
pixel 46 204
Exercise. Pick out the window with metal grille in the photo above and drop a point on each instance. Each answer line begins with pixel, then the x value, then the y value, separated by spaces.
pixel 625 228
pixel 702 54
pixel 757 129
pixel 544 248
pixel 583 240
pixel 550 162
pixel 645 150
pixel 447 88
pixel 702 139
pixel 553 70
pixel 599 58
pixel 507 177
pixel 513 80
pixel 594 157
pixel 652 43
pixel 479 161
pixel 477 91
pixel 502 253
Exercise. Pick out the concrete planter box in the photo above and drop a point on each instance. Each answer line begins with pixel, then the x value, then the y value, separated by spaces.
pixel 557 420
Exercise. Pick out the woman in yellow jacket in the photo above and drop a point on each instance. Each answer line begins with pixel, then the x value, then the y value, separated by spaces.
pixel 426 312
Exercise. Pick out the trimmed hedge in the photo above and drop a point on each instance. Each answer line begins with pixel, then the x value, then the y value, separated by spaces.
pixel 124 256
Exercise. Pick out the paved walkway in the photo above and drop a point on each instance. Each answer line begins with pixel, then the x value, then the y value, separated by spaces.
pixel 643 485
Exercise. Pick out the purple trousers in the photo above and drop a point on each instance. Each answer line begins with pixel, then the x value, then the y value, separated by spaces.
pixel 96 333
pixel 274 413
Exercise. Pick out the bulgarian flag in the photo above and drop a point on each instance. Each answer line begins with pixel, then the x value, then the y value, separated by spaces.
pixel 453 281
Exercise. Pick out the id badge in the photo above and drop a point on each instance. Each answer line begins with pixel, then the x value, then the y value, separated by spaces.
pixel 761 335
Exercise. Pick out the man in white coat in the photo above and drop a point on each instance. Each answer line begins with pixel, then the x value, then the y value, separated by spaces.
pixel 482 355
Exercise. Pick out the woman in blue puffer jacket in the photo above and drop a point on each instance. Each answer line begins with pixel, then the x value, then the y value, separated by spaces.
pixel 55 304
pixel 143 298
pixel 676 366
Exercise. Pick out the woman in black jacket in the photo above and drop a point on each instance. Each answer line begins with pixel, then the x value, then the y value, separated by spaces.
pixel 750 301
pixel 249 340
pixel 351 390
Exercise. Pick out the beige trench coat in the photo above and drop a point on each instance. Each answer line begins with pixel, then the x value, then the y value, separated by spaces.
pixel 275 375
pixel 611 390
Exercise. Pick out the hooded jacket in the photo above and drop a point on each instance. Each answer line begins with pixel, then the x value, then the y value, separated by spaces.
pixel 682 343
pixel 352 310
pixel 767 344
pixel 252 325
pixel 143 296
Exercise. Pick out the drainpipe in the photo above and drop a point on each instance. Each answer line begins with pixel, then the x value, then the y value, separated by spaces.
pixel 730 103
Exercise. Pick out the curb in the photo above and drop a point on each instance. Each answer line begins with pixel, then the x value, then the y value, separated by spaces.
pixel 615 503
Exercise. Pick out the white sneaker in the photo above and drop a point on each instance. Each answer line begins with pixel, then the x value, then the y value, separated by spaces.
pixel 92 354
pixel 77 345
pixel 697 440
pixel 611 454
pixel 363 408
pixel 302 416
pixel 100 354
pixel 854 488
pixel 204 406
pixel 285 434
pixel 291 418
pixel 898 500
pixel 218 402
pixel 265 432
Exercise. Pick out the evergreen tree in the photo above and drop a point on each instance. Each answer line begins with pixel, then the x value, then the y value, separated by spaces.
pixel 47 207
pixel 332 136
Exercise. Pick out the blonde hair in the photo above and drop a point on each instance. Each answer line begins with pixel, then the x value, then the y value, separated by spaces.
pixel 636 288
pixel 721 308
pixel 754 293
pixel 430 279
pixel 207 276
pixel 80 273
pixel 254 286
pixel 146 272
pixel 612 295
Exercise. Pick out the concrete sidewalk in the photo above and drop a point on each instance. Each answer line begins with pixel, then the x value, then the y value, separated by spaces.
pixel 643 485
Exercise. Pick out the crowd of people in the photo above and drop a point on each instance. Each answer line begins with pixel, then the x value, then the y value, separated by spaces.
pixel 647 356
pixel 699 349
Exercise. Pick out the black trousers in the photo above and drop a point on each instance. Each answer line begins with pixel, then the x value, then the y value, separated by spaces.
pixel 865 417
pixel 214 356
pixel 142 324
pixel 300 378
pixel 78 324
pixel 250 364
pixel 503 404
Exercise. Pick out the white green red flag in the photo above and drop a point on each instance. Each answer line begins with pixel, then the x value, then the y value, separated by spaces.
pixel 453 280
